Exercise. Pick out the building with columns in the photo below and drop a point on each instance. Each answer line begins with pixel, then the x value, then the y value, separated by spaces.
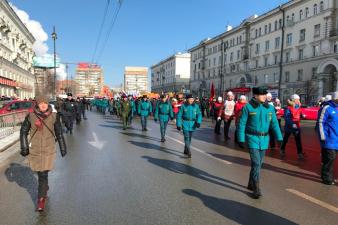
pixel 16 55
pixel 291 49
pixel 171 74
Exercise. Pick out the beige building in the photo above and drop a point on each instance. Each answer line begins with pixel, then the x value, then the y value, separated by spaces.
pixel 135 80
pixel 297 40
pixel 16 55
pixel 171 74
pixel 89 79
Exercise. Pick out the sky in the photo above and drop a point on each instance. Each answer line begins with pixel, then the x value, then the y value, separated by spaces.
pixel 145 31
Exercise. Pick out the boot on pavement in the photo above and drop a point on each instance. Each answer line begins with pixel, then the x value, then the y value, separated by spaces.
pixel 41 204
pixel 256 190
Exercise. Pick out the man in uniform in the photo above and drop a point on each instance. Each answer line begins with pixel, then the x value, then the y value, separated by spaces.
pixel 256 119
pixel 132 111
pixel 189 118
pixel 163 112
pixel 68 112
pixel 125 111
pixel 144 110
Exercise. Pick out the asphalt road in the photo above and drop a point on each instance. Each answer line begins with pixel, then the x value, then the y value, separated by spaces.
pixel 111 176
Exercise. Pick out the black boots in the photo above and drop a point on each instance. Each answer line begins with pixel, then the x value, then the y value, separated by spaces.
pixel 256 190
pixel 187 152
pixel 250 185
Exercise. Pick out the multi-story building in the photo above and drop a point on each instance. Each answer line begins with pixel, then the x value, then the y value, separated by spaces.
pixel 171 74
pixel 89 79
pixel 44 81
pixel 135 80
pixel 16 55
pixel 297 40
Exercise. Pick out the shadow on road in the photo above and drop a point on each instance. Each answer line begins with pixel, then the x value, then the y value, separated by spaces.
pixel 24 177
pixel 239 212
pixel 247 162
pixel 181 168
pixel 141 136
pixel 159 148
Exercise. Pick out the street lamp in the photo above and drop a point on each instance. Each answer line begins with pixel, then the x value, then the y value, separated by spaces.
pixel 54 36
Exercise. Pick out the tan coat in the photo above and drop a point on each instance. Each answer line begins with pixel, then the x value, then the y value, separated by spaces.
pixel 42 151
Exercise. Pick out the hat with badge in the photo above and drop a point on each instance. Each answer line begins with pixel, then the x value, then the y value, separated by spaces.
pixel 162 96
pixel 189 96
pixel 69 94
pixel 260 90
pixel 144 96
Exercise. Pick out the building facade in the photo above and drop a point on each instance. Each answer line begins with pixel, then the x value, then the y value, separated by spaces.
pixel 16 55
pixel 135 80
pixel 89 79
pixel 171 74
pixel 291 49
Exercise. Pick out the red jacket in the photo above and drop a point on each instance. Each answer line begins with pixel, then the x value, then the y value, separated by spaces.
pixel 238 110
pixel 218 109
pixel 296 114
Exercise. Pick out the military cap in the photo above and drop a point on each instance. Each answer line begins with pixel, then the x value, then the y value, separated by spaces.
pixel 189 96
pixel 259 90
pixel 70 94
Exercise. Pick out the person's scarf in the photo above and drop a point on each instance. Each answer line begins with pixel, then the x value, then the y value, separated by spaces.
pixel 41 116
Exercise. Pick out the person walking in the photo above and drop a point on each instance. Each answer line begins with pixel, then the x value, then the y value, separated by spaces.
pixel 132 111
pixel 69 113
pixel 163 113
pixel 256 119
pixel 125 111
pixel 144 110
pixel 189 118
pixel 292 117
pixel 219 114
pixel 328 136
pixel 238 111
pixel 229 107
pixel 45 128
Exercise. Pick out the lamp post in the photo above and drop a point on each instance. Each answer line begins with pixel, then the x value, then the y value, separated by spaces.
pixel 54 36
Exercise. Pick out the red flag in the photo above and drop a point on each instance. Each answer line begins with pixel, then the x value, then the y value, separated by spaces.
pixel 212 91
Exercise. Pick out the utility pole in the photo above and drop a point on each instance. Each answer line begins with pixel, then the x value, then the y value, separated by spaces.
pixel 54 36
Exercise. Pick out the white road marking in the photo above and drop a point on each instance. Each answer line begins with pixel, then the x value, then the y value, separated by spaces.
pixel 314 200
pixel 201 151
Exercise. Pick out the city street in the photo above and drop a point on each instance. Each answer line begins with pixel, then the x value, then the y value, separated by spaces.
pixel 111 176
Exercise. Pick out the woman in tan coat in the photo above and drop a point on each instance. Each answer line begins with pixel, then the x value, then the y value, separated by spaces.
pixel 44 129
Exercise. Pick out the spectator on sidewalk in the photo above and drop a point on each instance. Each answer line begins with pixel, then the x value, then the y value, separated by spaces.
pixel 328 136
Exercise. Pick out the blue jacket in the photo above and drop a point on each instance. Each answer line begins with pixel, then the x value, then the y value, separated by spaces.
pixel 189 116
pixel 144 108
pixel 328 126
pixel 257 117
pixel 163 111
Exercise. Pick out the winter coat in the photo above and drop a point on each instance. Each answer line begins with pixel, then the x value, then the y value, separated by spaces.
pixel 145 108
pixel 238 111
pixel 44 131
pixel 328 126
pixel 219 110
pixel 258 118
pixel 164 111
pixel 188 117
pixel 292 116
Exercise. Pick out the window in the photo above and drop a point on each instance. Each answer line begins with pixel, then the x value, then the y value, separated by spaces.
pixel 293 17
pixel 287 57
pixel 214 61
pixel 317 30
pixel 307 12
pixel 240 39
pixel 276 25
pixel 225 58
pixel 289 39
pixel 266 29
pixel 300 14
pixel 287 76
pixel 280 23
pixel 269 27
pixel 219 60
pixel 267 46
pixel 257 63
pixel 238 55
pixel 275 78
pixel 257 48
pixel 288 18
pixel 301 54
pixel 277 43
pixel 302 35
pixel 314 72
pixel 256 80
pixel 321 7
pixel 276 59
pixel 266 78
pixel 260 31
pixel 315 50
pixel 266 59
pixel 300 75
pixel 256 33
pixel 231 56
pixel 209 63
pixel 315 9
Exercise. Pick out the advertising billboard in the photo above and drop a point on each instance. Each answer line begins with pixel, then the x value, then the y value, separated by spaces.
pixel 46 61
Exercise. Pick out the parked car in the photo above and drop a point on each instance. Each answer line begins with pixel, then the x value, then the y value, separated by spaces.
pixel 16 106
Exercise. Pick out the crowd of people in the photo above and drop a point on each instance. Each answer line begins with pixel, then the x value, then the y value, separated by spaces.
pixel 258 126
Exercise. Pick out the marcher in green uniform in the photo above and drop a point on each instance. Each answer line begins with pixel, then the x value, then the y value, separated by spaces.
pixel 189 118
pixel 132 111
pixel 125 111
pixel 144 110
pixel 254 124
pixel 163 113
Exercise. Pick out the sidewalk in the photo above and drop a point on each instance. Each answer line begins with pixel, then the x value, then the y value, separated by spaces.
pixel 5 146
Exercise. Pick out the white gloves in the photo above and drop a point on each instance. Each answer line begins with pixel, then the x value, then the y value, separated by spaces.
pixel 219 118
